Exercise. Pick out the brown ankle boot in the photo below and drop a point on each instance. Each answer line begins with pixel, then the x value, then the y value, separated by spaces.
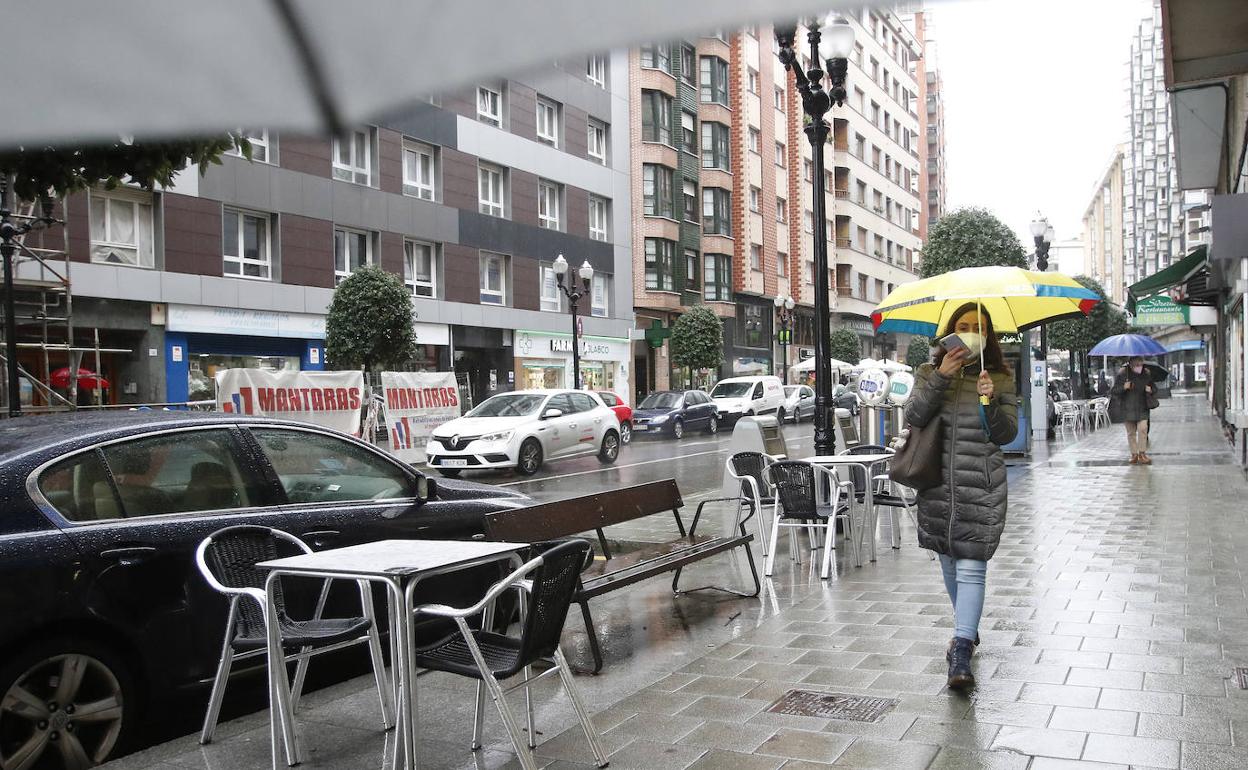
pixel 1145 459
pixel 1135 459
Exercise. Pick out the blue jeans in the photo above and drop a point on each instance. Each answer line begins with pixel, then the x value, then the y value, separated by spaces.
pixel 964 580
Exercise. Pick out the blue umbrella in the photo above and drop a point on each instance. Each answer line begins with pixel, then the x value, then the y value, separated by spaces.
pixel 1128 345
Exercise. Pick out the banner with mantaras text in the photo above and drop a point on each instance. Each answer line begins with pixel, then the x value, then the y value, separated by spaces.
pixel 416 403
pixel 331 399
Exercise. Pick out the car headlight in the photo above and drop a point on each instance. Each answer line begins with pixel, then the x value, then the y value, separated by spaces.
pixel 501 436
pixel 659 419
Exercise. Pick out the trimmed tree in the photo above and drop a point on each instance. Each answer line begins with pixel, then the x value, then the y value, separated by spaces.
pixel 845 345
pixel 919 352
pixel 970 237
pixel 697 340
pixel 369 325
pixel 1079 335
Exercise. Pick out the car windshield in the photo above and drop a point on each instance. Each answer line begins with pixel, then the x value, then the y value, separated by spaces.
pixel 661 401
pixel 731 389
pixel 789 390
pixel 509 405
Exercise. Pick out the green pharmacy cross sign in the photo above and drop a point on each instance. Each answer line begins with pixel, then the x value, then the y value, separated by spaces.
pixel 656 334
pixel 1159 311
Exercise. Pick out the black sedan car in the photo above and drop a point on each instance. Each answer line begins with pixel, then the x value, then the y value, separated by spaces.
pixel 104 613
pixel 672 412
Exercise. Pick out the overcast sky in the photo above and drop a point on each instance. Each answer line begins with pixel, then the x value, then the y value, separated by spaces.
pixel 1035 100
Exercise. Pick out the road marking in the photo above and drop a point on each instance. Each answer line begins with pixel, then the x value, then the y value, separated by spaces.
pixel 610 468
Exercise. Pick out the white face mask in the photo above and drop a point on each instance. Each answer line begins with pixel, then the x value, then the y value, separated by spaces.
pixel 974 344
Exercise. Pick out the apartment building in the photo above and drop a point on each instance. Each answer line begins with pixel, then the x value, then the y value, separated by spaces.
pixel 1103 235
pixel 469 197
pixel 932 181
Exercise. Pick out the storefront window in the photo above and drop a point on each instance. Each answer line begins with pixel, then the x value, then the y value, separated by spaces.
pixel 204 367
pixel 542 374
pixel 598 375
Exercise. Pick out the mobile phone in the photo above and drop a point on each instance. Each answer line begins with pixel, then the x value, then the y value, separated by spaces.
pixel 952 341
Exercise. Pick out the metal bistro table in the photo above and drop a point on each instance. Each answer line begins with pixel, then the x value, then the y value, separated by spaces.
pixel 866 462
pixel 399 565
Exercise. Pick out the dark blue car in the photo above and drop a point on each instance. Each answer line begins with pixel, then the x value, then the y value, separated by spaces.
pixel 673 412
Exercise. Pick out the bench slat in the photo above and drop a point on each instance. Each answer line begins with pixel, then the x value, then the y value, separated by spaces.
pixel 564 518
pixel 645 570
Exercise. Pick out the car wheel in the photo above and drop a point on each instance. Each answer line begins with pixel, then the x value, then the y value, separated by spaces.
pixel 780 415
pixel 66 704
pixel 626 432
pixel 678 429
pixel 450 473
pixel 530 457
pixel 610 449
pixel 712 427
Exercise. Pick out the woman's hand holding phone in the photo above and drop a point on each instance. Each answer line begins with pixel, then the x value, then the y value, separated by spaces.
pixel 953 361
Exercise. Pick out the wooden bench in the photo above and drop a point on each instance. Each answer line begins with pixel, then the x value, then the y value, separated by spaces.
pixel 565 518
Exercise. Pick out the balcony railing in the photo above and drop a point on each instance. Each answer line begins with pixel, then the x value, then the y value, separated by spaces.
pixel 844 291
pixel 844 243
pixel 842 194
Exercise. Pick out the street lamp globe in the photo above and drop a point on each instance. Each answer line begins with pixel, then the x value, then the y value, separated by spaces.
pixel 788 303
pixel 586 272
pixel 779 300
pixel 837 38
pixel 1050 235
pixel 1038 226
pixel 561 266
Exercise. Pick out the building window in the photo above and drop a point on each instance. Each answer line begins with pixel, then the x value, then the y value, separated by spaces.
pixel 551 297
pixel 596 144
pixel 353 157
pixel 599 294
pixel 714 78
pixel 752 81
pixel 656 117
pixel 245 244
pixel 691 201
pixel 779 98
pixel 809 222
pixel 353 249
pixel 657 192
pixel 691 270
pixel 808 170
pixel 260 145
pixel 491 182
pixel 716 212
pixel 548 122
pixel 755 136
pixel 688 64
pixel 548 208
pixel 599 216
pixel 419 170
pixel 688 133
pixel 715 146
pixel 121 228
pixel 490 106
pixel 596 71
pixel 780 154
pixel 756 257
pixel 657 56
pixel 782 210
pixel 420 271
pixel 755 194
pixel 493 279
pixel 717 280
pixel 660 259
pixel 782 264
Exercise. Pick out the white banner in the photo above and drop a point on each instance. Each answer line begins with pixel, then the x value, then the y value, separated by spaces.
pixel 331 399
pixel 416 403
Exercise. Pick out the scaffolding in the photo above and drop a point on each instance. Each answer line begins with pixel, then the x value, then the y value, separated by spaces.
pixel 43 305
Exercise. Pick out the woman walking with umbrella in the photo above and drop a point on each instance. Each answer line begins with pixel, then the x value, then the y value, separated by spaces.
pixel 1133 393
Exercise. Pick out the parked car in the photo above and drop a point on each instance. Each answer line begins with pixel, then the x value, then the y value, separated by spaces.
pixel 623 413
pixel 799 402
pixel 105 614
pixel 738 397
pixel 524 428
pixel 672 412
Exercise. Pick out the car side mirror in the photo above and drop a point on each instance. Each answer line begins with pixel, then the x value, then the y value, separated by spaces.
pixel 551 414
pixel 425 488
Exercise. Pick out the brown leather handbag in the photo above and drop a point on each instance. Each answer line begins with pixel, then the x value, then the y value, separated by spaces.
pixel 916 463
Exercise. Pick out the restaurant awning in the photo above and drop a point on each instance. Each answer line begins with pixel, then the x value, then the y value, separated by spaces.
pixel 1179 272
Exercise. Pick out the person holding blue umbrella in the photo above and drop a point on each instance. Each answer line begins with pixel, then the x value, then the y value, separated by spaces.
pixel 1133 389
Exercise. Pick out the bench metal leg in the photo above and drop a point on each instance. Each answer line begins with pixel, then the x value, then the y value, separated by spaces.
pixel 593 636
pixel 749 554
pixel 680 524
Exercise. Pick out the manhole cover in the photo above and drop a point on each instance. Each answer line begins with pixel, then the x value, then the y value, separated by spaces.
pixel 1240 675
pixel 827 705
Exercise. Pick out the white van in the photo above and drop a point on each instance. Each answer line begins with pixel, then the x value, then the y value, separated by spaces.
pixel 738 397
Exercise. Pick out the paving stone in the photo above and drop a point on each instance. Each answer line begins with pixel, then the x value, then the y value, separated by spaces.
pixel 968 759
pixel 1208 756
pixel 1041 742
pixel 730 736
pixel 953 732
pixel 1100 677
pixel 1095 720
pixel 1185 728
pixel 718 685
pixel 1010 713
pixel 803 744
pixel 729 760
pixel 657 727
pixel 1135 700
pixel 870 754
pixel 1154 752
pixel 723 709
pixel 647 755
pixel 1060 695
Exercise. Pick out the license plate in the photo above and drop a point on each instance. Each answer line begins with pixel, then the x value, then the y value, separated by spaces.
pixel 451 462
pixel 641 427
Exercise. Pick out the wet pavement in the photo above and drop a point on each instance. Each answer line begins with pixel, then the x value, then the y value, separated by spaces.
pixel 1115 617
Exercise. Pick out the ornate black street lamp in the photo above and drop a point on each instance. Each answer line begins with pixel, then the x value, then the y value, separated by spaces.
pixel 831 45
pixel 574 295
pixel 784 309
pixel 10 231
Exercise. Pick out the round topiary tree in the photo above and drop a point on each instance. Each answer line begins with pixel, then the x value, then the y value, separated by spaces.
pixel 845 346
pixel 918 352
pixel 697 340
pixel 970 237
pixel 370 322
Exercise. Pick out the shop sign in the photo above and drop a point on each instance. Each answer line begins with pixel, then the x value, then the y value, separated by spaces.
pixel 254 323
pixel 536 345
pixel 415 404
pixel 1159 311
pixel 330 399
pixel 859 326
pixel 588 347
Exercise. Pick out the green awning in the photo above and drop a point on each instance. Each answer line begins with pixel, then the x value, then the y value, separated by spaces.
pixel 1173 275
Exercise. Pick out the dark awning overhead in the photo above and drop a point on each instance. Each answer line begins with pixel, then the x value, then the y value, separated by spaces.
pixel 1173 275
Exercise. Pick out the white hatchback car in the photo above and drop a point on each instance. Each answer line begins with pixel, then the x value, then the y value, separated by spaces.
pixel 522 429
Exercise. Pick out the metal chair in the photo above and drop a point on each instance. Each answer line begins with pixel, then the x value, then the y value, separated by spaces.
pixel 750 468
pixel 227 560
pixel 797 507
pixel 1099 412
pixel 490 657
pixel 1069 416
pixel 884 493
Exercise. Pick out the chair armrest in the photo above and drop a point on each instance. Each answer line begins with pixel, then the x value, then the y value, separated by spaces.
pixel 511 581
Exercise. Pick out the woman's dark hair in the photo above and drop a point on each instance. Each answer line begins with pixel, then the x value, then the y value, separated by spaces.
pixel 994 359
